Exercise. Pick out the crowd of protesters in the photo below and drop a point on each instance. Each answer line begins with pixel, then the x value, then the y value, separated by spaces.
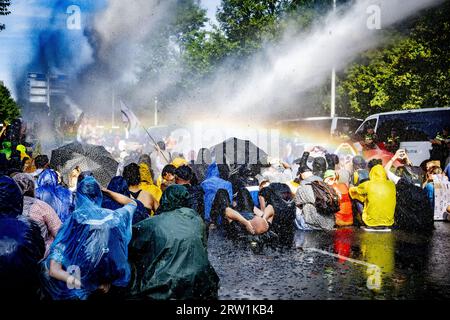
pixel 145 235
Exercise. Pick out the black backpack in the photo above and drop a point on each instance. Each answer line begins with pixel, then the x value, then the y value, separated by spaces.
pixel 327 200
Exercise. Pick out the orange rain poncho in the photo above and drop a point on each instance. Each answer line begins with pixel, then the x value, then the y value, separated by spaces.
pixel 379 198
pixel 147 182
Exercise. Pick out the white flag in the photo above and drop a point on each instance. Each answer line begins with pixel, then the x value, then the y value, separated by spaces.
pixel 129 117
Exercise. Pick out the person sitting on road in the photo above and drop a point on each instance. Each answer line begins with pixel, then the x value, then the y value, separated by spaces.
pixel 147 182
pixel 41 162
pixel 307 216
pixel 240 217
pixel 183 176
pixel 168 253
pixel 379 198
pixel 132 176
pixel 345 215
pixel 429 186
pixel 167 177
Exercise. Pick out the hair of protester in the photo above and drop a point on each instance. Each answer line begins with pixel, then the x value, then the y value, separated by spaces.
pixel 435 170
pixel 132 174
pixel 372 163
pixel 41 161
pixel 161 145
pixel 244 201
pixel 184 172
pixel 168 169
pixel 220 203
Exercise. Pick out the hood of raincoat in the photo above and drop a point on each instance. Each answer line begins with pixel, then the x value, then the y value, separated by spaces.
pixel 211 184
pixel 88 190
pixel 178 162
pixel 6 145
pixel 95 240
pixel 119 184
pixel 58 197
pixel 174 197
pixel 213 171
pixel 377 173
pixel 145 173
pixel 379 198
pixel 11 198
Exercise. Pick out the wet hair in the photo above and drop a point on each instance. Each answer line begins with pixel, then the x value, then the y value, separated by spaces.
pixel 131 174
pixel 220 203
pixel 41 161
pixel 161 145
pixel 184 172
pixel 359 163
pixel 244 201
pixel 332 161
pixel 303 166
pixel 319 166
pixel 372 163
pixel 168 169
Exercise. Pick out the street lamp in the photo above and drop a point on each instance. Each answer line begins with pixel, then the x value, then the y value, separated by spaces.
pixel 333 81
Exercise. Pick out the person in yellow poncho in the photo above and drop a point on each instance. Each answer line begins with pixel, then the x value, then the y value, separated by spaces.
pixel 23 151
pixel 147 182
pixel 379 198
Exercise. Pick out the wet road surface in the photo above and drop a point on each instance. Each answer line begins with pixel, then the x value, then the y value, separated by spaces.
pixel 342 264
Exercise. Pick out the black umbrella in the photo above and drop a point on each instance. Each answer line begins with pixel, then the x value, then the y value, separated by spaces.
pixel 236 151
pixel 88 157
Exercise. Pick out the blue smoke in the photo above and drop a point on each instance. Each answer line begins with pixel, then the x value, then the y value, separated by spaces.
pixel 58 47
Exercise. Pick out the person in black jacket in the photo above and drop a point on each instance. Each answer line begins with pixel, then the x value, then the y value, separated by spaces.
pixel 183 176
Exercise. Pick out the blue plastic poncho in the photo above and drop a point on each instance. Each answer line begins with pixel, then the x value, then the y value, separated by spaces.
pixel 210 186
pixel 94 241
pixel 58 197
pixel 21 245
pixel 119 184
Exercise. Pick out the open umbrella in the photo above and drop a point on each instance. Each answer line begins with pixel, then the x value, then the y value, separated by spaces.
pixel 236 151
pixel 88 157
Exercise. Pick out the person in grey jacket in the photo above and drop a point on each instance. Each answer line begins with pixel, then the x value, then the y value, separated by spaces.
pixel 307 217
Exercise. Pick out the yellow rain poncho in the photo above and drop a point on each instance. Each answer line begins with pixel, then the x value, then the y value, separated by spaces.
pixel 23 151
pixel 147 182
pixel 379 198
pixel 178 162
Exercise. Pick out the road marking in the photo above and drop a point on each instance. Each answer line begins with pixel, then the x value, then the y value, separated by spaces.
pixel 373 271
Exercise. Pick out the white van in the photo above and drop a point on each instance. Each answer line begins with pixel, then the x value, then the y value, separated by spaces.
pixel 331 125
pixel 415 128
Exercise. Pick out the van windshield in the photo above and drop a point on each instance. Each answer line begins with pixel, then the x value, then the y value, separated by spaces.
pixel 414 126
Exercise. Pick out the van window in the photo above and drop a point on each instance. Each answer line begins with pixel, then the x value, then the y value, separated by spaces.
pixel 414 126
pixel 371 123
pixel 347 125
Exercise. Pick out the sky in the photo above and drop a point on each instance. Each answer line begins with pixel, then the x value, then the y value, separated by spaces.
pixel 27 15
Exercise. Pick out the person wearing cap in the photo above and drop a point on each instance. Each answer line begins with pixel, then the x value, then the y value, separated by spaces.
pixel 344 217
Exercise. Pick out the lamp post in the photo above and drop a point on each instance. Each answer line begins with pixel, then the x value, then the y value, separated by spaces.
pixel 333 81
pixel 156 111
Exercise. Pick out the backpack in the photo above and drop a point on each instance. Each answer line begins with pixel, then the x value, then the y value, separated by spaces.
pixel 327 200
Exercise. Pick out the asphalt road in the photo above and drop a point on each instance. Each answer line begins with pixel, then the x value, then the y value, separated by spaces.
pixel 343 264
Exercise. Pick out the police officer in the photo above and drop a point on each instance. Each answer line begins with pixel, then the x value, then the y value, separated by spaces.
pixel 440 147
pixel 393 141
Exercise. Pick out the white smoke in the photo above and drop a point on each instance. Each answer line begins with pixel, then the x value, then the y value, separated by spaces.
pixel 300 63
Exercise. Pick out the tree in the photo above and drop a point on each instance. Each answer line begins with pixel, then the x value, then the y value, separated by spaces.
pixel 4 4
pixel 412 71
pixel 9 110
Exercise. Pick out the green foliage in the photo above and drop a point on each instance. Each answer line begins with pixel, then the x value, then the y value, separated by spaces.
pixel 4 4
pixel 412 72
pixel 9 110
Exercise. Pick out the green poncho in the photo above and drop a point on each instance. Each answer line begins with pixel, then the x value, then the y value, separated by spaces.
pixel 169 258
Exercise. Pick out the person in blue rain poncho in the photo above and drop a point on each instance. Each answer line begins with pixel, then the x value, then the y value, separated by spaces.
pixel 58 197
pixel 211 185
pixel 21 246
pixel 90 252
pixel 119 185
